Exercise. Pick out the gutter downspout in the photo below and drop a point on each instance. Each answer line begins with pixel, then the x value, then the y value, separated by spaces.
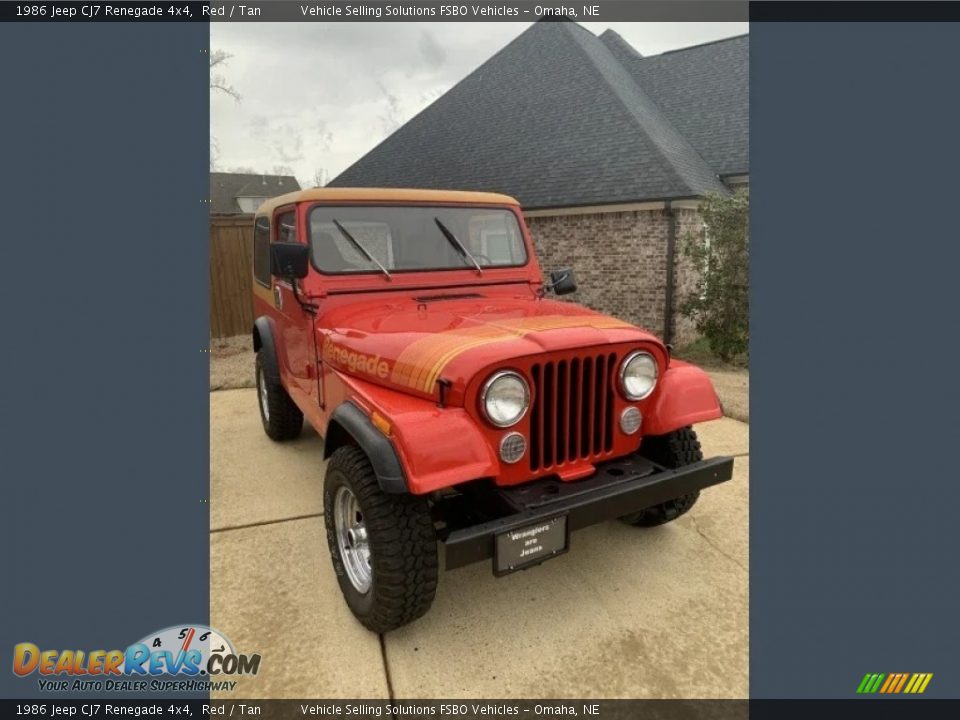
pixel 671 255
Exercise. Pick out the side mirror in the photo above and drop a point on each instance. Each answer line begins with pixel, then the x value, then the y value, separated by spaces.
pixel 289 260
pixel 562 281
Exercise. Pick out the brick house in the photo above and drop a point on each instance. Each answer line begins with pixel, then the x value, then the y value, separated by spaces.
pixel 608 151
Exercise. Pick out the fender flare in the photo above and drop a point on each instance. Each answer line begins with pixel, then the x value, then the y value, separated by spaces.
pixel 263 334
pixel 263 337
pixel 349 421
pixel 685 396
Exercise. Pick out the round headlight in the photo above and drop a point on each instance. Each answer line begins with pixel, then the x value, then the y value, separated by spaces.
pixel 638 375
pixel 505 398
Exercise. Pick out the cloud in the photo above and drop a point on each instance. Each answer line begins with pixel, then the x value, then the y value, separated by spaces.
pixel 318 96
pixel 430 49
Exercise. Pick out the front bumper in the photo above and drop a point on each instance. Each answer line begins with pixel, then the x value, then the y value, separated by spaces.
pixel 618 488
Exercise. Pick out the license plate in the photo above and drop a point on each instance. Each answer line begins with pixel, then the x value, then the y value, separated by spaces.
pixel 530 545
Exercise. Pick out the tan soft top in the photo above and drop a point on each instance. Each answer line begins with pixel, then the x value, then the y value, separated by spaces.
pixel 391 195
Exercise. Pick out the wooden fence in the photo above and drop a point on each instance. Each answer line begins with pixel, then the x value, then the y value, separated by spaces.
pixel 231 268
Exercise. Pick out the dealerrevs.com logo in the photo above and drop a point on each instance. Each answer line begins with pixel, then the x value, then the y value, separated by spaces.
pixel 177 658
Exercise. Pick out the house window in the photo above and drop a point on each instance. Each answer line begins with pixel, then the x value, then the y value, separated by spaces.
pixel 494 238
pixel 498 246
pixel 261 251
pixel 250 204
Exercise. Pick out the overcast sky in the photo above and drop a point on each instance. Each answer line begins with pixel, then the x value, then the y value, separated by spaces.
pixel 318 96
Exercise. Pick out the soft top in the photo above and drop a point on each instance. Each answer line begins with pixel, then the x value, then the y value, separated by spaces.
pixel 388 195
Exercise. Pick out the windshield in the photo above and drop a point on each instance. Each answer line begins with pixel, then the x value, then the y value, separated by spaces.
pixel 365 239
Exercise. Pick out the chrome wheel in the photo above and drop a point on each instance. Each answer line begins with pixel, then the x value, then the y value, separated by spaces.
pixel 352 539
pixel 264 404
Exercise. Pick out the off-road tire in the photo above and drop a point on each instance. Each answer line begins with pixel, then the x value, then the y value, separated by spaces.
pixel 674 450
pixel 402 539
pixel 283 421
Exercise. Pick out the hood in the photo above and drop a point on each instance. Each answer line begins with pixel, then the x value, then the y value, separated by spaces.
pixel 410 343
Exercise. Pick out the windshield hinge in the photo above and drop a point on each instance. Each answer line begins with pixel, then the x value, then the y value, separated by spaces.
pixel 442 389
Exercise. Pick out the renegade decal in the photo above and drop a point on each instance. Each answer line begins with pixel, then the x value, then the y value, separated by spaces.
pixel 420 364
pixel 355 361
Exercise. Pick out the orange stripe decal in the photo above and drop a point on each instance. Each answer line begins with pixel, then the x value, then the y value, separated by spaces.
pixel 419 365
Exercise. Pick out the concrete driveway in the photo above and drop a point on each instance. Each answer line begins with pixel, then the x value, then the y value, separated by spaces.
pixel 628 612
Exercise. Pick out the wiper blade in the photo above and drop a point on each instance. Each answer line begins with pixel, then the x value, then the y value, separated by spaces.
pixel 458 246
pixel 356 244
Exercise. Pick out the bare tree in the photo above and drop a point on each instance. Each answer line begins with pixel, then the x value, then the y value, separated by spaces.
pixel 319 176
pixel 214 154
pixel 218 60
pixel 392 118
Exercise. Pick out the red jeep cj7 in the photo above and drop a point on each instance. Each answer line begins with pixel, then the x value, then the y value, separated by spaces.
pixel 461 408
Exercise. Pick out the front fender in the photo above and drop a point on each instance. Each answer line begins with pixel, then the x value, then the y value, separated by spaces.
pixel 350 419
pixel 685 397
pixel 437 447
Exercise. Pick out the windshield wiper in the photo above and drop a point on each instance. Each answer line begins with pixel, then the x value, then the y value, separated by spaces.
pixel 356 244
pixel 458 246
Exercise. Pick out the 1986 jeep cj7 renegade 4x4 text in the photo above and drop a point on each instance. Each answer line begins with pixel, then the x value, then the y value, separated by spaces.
pixel 465 416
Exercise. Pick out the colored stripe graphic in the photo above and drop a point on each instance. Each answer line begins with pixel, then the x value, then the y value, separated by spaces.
pixel 420 364
pixel 870 683
pixel 890 686
pixel 894 683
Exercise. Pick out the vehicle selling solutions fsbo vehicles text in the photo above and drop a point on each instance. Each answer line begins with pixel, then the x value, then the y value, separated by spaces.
pixel 443 710
pixel 380 11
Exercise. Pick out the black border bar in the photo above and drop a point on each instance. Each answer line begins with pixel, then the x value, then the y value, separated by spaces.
pixel 494 709
pixel 853 11
pixel 516 11
pixel 376 11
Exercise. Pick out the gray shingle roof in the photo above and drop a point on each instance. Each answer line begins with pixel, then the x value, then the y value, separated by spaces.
pixel 556 119
pixel 225 188
pixel 617 45
pixel 705 91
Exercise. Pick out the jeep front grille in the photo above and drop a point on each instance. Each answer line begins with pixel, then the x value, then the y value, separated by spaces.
pixel 572 416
